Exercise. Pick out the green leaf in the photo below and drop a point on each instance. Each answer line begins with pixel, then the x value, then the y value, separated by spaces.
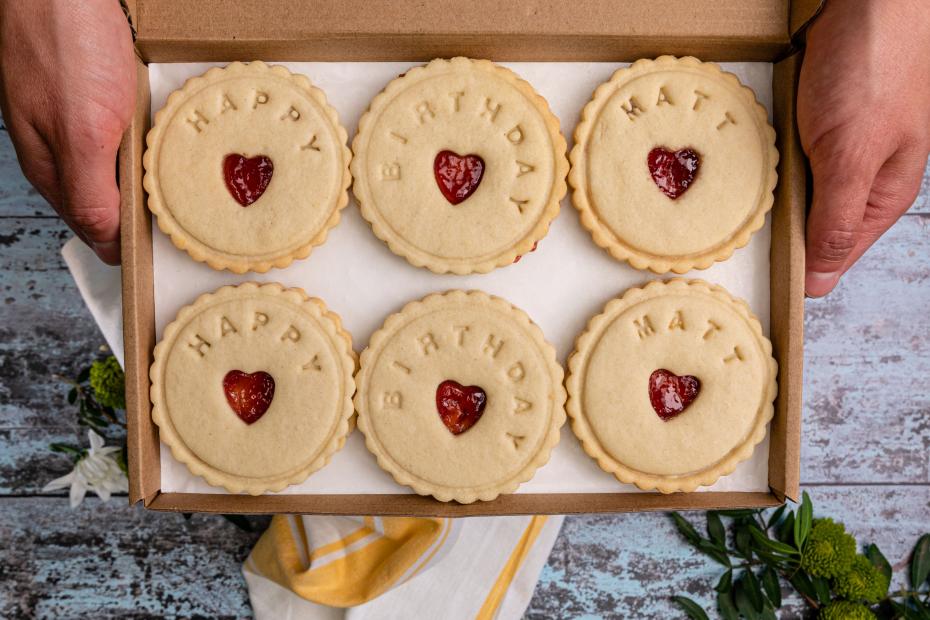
pixel 786 530
pixel 802 583
pixel 692 609
pixel 726 606
pixel 770 558
pixel 65 448
pixel 123 460
pixel 716 530
pixel 243 523
pixel 72 395
pixel 686 529
pixel 878 561
pixel 802 523
pixel 920 561
pixel 916 609
pixel 755 591
pixel 84 375
pixel 768 611
pixel 776 516
pixel 744 594
pixel 713 551
pixel 735 514
pixel 822 589
pixel 725 583
pixel 771 586
pixel 767 543
pixel 742 540
pixel 924 610
pixel 898 610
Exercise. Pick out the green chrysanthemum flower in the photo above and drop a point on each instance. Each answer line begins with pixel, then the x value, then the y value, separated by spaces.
pixel 863 582
pixel 844 610
pixel 109 383
pixel 828 550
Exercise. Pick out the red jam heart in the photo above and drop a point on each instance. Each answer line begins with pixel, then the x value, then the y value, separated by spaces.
pixel 458 177
pixel 671 394
pixel 459 407
pixel 673 172
pixel 248 394
pixel 247 179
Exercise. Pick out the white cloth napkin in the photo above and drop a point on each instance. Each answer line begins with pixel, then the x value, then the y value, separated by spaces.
pixel 486 555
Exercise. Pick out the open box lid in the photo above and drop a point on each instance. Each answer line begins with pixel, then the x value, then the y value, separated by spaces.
pixel 180 30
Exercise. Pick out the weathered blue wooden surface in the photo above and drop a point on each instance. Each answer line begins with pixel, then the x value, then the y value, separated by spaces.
pixel 866 452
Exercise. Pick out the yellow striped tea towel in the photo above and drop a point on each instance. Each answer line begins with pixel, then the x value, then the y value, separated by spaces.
pixel 307 567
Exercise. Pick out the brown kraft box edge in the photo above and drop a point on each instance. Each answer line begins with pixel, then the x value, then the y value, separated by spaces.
pixel 171 30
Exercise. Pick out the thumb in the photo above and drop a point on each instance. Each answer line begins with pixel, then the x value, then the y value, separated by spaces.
pixel 843 169
pixel 90 200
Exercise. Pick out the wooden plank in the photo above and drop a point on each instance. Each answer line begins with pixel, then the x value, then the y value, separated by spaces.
pixel 867 351
pixel 28 463
pixel 107 559
pixel 29 245
pixel 627 566
pixel 111 560
pixel 45 329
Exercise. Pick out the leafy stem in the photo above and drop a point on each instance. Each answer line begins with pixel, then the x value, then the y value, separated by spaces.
pixel 817 558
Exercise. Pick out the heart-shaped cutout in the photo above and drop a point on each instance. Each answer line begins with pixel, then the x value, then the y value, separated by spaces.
pixel 460 407
pixel 457 176
pixel 673 172
pixel 249 394
pixel 247 178
pixel 671 394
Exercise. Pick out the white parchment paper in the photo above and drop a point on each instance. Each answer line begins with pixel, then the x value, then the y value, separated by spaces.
pixel 561 285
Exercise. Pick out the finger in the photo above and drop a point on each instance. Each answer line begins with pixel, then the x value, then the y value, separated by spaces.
pixel 844 166
pixel 40 169
pixel 90 197
pixel 894 191
pixel 36 159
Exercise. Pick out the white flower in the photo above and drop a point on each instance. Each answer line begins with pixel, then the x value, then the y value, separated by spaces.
pixel 96 471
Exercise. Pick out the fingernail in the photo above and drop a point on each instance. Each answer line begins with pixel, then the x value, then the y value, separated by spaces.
pixel 818 283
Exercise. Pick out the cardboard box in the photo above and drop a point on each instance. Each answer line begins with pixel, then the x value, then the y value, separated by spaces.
pixel 541 30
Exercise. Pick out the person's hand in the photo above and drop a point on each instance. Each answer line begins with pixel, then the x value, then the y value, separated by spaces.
pixel 67 90
pixel 864 120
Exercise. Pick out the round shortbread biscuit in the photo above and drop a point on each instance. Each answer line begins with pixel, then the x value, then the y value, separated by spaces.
pixel 459 166
pixel 252 387
pixel 460 396
pixel 673 166
pixel 247 167
pixel 684 331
